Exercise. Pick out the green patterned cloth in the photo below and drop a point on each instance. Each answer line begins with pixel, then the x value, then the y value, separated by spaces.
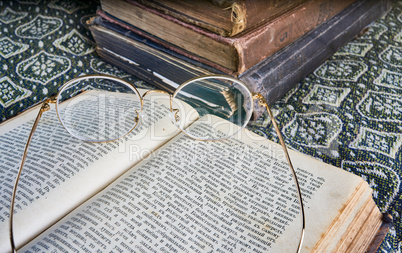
pixel 42 45
pixel 348 112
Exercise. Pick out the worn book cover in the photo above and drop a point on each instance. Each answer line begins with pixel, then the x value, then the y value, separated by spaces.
pixel 226 18
pixel 238 53
pixel 272 78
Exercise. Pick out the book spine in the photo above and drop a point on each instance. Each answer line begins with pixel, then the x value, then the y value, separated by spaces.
pixel 281 72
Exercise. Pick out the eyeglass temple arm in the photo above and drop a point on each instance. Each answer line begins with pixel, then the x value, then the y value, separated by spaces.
pixel 45 107
pixel 263 102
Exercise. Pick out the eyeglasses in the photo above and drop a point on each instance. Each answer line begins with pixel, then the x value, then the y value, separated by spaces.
pixel 100 108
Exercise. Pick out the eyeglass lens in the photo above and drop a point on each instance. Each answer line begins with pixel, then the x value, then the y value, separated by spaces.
pixel 211 97
pixel 98 109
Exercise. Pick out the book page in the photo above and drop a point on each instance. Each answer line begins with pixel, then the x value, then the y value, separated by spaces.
pixel 235 195
pixel 61 171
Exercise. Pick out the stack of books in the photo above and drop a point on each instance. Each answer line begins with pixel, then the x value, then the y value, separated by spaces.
pixel 270 45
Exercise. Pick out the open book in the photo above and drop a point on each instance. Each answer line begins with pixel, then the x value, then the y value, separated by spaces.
pixel 157 190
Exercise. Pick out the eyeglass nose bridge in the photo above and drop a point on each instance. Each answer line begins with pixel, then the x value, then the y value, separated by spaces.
pixel 175 116
pixel 157 91
pixel 139 116
pixel 174 113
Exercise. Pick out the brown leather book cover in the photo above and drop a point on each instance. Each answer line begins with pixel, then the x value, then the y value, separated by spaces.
pixel 260 43
pixel 238 53
pixel 226 18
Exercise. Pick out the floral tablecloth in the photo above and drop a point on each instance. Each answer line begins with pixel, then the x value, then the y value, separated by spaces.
pixel 348 112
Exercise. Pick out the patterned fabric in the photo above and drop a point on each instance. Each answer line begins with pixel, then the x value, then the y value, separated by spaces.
pixel 42 45
pixel 348 112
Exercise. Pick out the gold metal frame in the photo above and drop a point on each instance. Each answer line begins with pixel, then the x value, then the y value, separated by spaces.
pixel 45 107
pixel 263 102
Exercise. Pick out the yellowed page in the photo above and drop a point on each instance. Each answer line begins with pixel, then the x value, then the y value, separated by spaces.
pixel 352 231
pixel 364 238
pixel 344 224
pixel 234 195
pixel 71 170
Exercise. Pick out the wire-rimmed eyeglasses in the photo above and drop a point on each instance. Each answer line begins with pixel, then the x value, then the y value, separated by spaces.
pixel 100 108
